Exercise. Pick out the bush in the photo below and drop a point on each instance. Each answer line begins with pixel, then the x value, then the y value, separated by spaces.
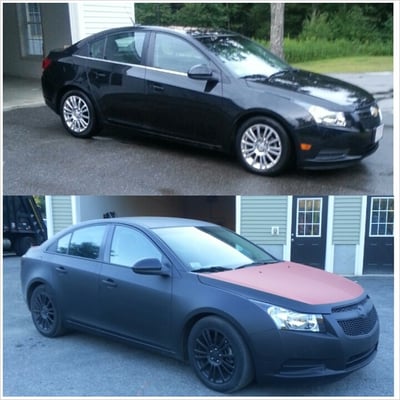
pixel 298 51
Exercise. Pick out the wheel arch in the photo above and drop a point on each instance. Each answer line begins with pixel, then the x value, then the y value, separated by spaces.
pixel 71 87
pixel 32 286
pixel 254 113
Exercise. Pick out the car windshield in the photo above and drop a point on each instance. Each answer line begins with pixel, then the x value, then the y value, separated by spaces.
pixel 212 248
pixel 243 57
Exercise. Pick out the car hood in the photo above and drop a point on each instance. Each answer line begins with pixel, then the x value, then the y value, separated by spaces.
pixel 292 281
pixel 322 87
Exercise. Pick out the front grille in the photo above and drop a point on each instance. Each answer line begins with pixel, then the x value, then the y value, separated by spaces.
pixel 361 325
pixel 351 307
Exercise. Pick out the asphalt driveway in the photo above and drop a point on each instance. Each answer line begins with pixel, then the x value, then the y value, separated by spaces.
pixel 40 157
pixel 83 365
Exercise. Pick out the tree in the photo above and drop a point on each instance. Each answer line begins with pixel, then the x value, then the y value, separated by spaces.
pixel 277 28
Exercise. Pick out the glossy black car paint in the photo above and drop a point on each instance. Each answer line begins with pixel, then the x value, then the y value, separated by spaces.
pixel 158 308
pixel 210 110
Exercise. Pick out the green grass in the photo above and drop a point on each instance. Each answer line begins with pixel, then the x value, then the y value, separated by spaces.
pixel 349 64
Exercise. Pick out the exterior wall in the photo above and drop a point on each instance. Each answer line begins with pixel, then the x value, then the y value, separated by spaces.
pixel 88 18
pixel 59 213
pixel 266 220
pixel 56 26
pixel 346 233
pixel 263 220
pixel 63 211
pixel 345 259
pixel 62 24
pixel 93 207
pixel 56 33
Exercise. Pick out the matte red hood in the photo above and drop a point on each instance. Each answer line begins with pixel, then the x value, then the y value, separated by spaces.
pixel 294 281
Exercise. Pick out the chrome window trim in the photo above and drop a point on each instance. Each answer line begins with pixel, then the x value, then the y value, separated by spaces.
pixel 167 71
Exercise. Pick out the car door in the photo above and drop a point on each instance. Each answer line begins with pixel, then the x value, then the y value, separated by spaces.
pixel 180 106
pixel 116 76
pixel 134 305
pixel 76 267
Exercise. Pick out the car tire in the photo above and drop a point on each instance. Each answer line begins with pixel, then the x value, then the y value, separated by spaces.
pixel 263 146
pixel 45 313
pixel 78 115
pixel 219 355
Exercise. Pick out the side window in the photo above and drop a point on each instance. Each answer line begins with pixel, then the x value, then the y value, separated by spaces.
pixel 129 246
pixel 63 244
pixel 96 48
pixel 175 54
pixel 126 47
pixel 86 242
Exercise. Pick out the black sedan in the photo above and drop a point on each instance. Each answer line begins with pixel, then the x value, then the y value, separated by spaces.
pixel 199 292
pixel 214 89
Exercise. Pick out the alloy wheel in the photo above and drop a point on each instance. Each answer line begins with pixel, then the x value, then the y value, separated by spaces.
pixel 214 356
pixel 76 114
pixel 43 313
pixel 261 147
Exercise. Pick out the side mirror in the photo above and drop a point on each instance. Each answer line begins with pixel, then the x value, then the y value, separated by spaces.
pixel 201 72
pixel 151 266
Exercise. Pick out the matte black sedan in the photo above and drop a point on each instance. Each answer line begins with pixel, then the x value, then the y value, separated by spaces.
pixel 199 292
pixel 214 89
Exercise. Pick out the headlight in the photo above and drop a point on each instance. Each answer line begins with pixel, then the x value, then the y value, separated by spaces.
pixel 288 319
pixel 293 320
pixel 327 117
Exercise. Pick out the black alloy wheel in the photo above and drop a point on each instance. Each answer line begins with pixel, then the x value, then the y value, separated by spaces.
pixel 263 146
pixel 45 315
pixel 219 355
pixel 78 114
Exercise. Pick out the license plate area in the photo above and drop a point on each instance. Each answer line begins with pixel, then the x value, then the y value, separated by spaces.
pixel 378 133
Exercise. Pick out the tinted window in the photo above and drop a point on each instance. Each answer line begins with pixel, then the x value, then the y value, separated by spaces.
pixel 242 56
pixel 175 54
pixel 86 242
pixel 96 48
pixel 129 246
pixel 126 47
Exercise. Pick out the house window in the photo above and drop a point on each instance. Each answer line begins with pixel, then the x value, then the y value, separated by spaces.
pixel 31 29
pixel 382 216
pixel 309 217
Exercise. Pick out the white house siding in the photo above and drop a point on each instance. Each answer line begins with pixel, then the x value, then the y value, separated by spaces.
pixel 59 212
pixel 88 18
pixel 263 219
pixel 346 233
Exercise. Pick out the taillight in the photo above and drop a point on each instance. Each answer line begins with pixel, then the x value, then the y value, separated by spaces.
pixel 46 63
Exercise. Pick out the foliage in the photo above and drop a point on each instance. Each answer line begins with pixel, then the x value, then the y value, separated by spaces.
pixel 320 49
pixel 353 23
pixel 312 30
pixel 362 21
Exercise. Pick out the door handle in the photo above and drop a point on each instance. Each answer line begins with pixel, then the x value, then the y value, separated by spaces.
pixel 158 88
pixel 109 282
pixel 62 270
pixel 99 75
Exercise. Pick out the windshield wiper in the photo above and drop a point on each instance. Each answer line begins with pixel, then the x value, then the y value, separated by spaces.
pixel 253 264
pixel 255 77
pixel 282 72
pixel 212 269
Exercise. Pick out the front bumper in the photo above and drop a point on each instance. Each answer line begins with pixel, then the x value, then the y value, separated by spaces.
pixel 331 148
pixel 349 343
